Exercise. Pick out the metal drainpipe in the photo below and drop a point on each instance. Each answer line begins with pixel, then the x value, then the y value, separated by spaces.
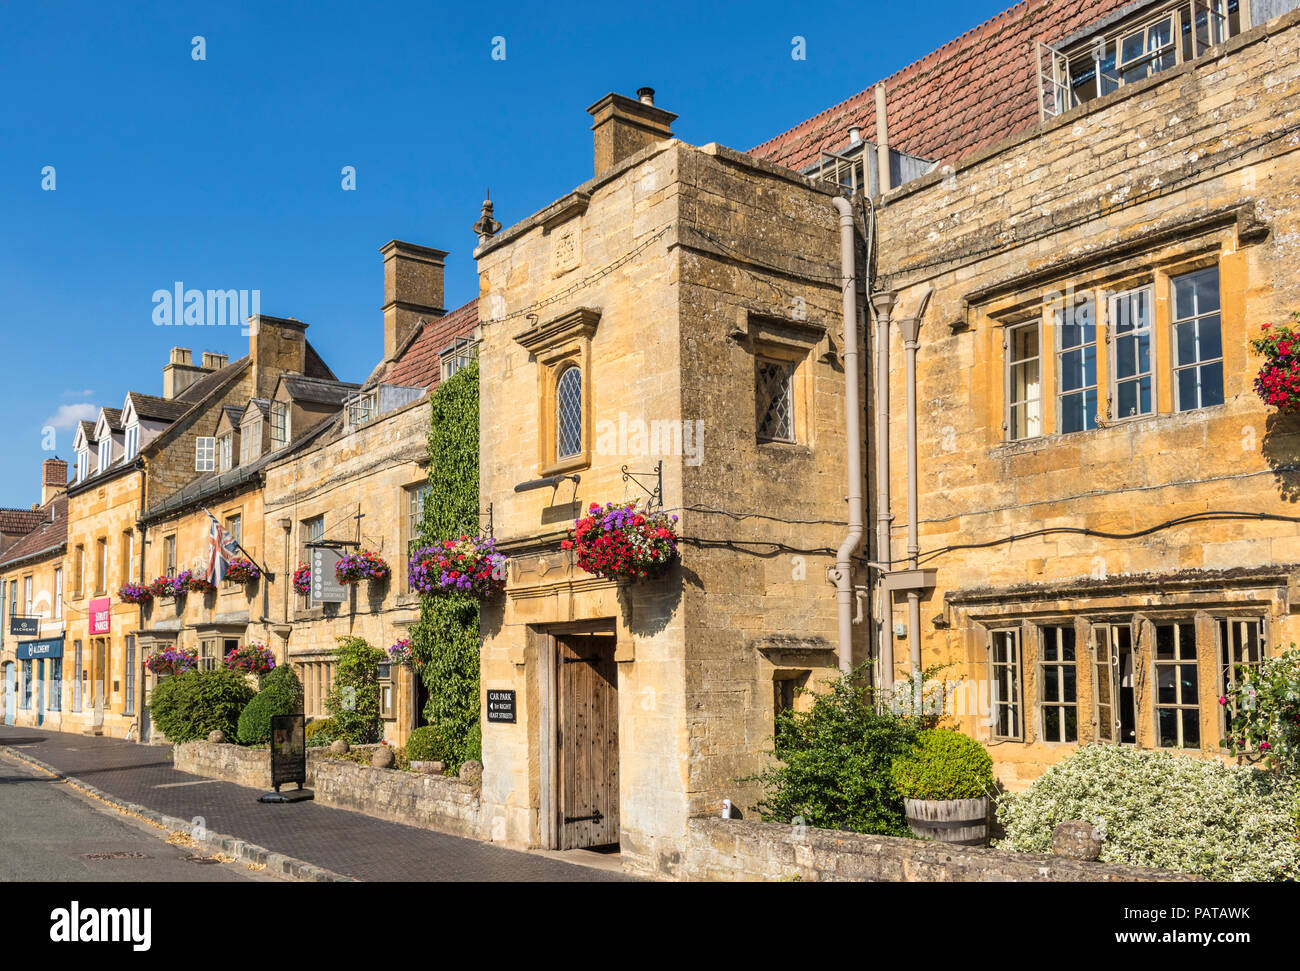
pixel 883 304
pixel 843 572
pixel 911 331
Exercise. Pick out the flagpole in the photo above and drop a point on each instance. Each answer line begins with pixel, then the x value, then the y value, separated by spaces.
pixel 262 570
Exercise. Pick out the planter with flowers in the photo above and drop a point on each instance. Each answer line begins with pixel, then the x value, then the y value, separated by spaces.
pixel 196 583
pixel 242 570
pixel 163 588
pixel 362 565
pixel 172 661
pixel 470 565
pixel 403 653
pixel 1278 380
pixel 619 542
pixel 250 659
pixel 302 579
pixel 135 593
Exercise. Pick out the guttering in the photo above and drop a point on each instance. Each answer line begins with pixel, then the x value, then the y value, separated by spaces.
pixel 843 571
pixel 911 332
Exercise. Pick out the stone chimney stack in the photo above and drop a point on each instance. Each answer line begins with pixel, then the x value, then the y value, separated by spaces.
pixel 276 345
pixel 54 478
pixel 181 371
pixel 413 279
pixel 213 361
pixel 623 127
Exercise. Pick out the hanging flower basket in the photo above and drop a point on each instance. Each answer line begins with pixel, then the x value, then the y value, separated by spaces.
pixel 251 659
pixel 362 565
pixel 162 588
pixel 302 579
pixel 172 661
pixel 403 653
pixel 618 542
pixel 135 593
pixel 1278 380
pixel 242 571
pixel 470 564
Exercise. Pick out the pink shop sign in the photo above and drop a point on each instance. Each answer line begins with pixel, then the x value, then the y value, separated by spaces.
pixel 101 614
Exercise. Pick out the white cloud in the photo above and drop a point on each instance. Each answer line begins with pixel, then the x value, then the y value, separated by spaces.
pixel 67 416
pixel 87 393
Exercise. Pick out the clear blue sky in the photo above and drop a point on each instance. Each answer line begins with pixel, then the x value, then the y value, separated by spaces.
pixel 225 173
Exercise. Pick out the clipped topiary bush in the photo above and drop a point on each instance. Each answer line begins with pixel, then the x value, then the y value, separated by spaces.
pixel 186 707
pixel 322 731
pixel 281 694
pixel 945 765
pixel 426 745
pixel 1157 809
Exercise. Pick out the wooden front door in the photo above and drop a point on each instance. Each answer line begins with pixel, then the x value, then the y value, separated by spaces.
pixel 587 746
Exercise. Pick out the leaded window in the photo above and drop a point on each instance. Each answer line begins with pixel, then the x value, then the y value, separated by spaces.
pixel 775 399
pixel 568 413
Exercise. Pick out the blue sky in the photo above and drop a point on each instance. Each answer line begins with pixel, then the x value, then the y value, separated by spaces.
pixel 225 173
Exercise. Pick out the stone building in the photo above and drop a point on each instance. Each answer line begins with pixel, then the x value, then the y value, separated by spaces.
pixel 1105 509
pixel 678 318
pixel 32 614
pixel 359 483
pixel 128 460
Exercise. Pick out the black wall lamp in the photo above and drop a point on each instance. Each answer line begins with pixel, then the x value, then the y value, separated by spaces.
pixel 549 482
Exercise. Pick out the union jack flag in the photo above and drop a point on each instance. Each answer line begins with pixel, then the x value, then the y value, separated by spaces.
pixel 220 551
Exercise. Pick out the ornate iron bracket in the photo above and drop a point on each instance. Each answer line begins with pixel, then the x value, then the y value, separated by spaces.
pixel 657 493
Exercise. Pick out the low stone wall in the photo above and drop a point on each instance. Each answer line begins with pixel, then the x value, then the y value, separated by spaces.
pixel 443 803
pixel 243 766
pixel 731 849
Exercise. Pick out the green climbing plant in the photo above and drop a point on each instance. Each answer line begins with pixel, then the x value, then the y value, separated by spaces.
pixel 446 638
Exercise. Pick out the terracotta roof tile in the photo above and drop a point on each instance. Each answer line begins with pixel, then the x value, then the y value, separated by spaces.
pixel 973 91
pixel 50 533
pixel 420 363
pixel 20 520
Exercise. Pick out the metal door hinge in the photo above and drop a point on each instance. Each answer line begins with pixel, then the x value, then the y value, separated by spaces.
pixel 595 817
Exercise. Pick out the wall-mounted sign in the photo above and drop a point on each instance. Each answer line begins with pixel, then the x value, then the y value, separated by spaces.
pixel 50 647
pixel 325 587
pixel 101 615
pixel 24 626
pixel 500 706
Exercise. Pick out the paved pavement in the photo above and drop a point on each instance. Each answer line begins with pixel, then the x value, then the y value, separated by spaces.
pixel 348 843
pixel 52 835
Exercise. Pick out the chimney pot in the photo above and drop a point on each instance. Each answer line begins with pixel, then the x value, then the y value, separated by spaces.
pixel 646 96
pixel 213 361
pixel 180 355
pixel 855 134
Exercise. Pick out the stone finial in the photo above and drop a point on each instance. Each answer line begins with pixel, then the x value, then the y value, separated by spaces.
pixel 216 737
pixel 486 227
pixel 471 771
pixel 339 746
pixel 1077 839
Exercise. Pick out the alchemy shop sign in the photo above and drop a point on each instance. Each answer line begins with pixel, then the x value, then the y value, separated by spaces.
pixel 50 647
pixel 101 615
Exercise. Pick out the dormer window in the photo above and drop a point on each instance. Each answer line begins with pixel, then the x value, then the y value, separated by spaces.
pixel 363 408
pixel 1092 66
pixel 279 424
pixel 83 463
pixel 225 452
pixel 250 439
pixel 132 441
pixel 457 356
pixel 105 451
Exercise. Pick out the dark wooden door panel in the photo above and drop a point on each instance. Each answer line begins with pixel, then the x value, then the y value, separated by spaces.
pixel 588 743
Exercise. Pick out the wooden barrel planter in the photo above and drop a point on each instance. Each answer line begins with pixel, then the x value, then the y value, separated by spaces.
pixel 962 822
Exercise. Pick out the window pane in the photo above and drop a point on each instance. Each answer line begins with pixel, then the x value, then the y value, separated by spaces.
pixel 1051 688
pixel 1168 725
pixel 1191 728
pixel 1212 384
pixel 775 400
pixel 1167 692
pixel 568 406
pixel 1052 724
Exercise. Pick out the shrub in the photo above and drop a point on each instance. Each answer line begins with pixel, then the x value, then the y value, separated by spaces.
pixel 426 745
pixel 322 731
pixel 1263 709
pixel 836 760
pixel 945 765
pixel 353 701
pixel 1158 809
pixel 281 694
pixel 185 707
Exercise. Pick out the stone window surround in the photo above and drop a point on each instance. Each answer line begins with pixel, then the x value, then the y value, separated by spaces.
pixel 555 346
pixel 1142 619
pixel 793 342
pixel 1155 269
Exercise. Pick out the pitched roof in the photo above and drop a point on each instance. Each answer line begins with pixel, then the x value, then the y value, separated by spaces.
pixel 201 388
pixel 152 407
pixel 317 390
pixel 315 367
pixel 971 92
pixel 20 520
pixel 419 363
pixel 87 428
pixel 50 534
pixel 114 416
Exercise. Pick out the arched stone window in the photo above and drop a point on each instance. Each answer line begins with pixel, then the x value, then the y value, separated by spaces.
pixel 568 413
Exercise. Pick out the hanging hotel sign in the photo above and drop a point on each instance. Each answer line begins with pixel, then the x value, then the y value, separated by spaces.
pixel 24 626
pixel 325 587
pixel 50 647
pixel 101 615
pixel 500 706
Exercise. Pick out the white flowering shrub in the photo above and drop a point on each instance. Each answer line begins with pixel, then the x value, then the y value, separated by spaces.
pixel 1157 809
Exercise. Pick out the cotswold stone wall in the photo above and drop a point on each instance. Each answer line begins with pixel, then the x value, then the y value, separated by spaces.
pixel 441 803
pixel 729 849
